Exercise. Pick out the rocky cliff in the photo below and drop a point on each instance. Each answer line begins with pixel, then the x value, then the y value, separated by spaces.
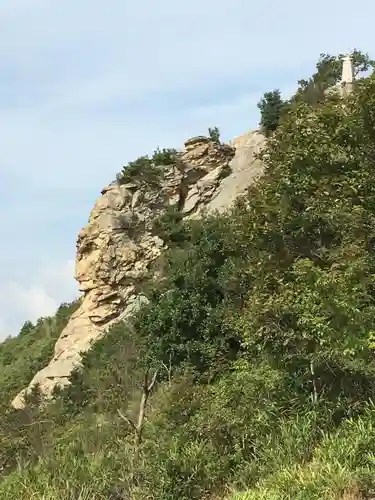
pixel 116 248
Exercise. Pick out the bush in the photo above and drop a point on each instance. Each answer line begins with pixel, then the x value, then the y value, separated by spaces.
pixel 214 134
pixel 148 172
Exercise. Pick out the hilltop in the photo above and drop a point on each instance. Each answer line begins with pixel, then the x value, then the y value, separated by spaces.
pixel 223 347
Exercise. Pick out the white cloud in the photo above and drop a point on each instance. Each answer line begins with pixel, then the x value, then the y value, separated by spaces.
pixel 33 301
pixel 46 290
pixel 87 86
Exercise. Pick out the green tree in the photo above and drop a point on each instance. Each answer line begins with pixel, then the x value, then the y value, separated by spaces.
pixel 26 328
pixel 270 106
pixel 214 134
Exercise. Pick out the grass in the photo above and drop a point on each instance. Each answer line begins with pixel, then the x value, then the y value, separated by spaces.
pixel 341 468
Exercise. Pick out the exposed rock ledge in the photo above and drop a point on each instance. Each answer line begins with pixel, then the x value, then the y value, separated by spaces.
pixel 116 247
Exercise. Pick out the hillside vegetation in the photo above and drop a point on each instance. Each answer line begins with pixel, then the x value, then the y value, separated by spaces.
pixel 251 373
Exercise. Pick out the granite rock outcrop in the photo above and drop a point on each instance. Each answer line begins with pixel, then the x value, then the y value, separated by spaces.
pixel 116 248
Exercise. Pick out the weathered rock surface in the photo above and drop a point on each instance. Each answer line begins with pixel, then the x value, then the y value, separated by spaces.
pixel 116 248
pixel 245 169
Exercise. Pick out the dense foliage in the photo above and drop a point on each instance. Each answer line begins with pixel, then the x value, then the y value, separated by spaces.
pixel 261 337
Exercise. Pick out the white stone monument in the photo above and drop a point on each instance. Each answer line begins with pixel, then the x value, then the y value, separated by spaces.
pixel 347 76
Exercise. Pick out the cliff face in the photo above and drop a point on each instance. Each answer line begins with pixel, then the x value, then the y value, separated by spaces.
pixel 116 248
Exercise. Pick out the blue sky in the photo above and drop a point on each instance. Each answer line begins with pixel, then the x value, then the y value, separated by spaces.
pixel 88 85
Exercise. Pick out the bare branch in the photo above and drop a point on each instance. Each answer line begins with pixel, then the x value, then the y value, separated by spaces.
pixel 168 369
pixel 37 422
pixel 145 382
pixel 138 427
pixel 315 390
pixel 127 419
pixel 152 383
pixel 4 464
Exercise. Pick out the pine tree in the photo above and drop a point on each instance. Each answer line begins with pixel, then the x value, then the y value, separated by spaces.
pixel 270 107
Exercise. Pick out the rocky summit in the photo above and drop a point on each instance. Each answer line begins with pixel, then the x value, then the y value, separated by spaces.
pixel 116 248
